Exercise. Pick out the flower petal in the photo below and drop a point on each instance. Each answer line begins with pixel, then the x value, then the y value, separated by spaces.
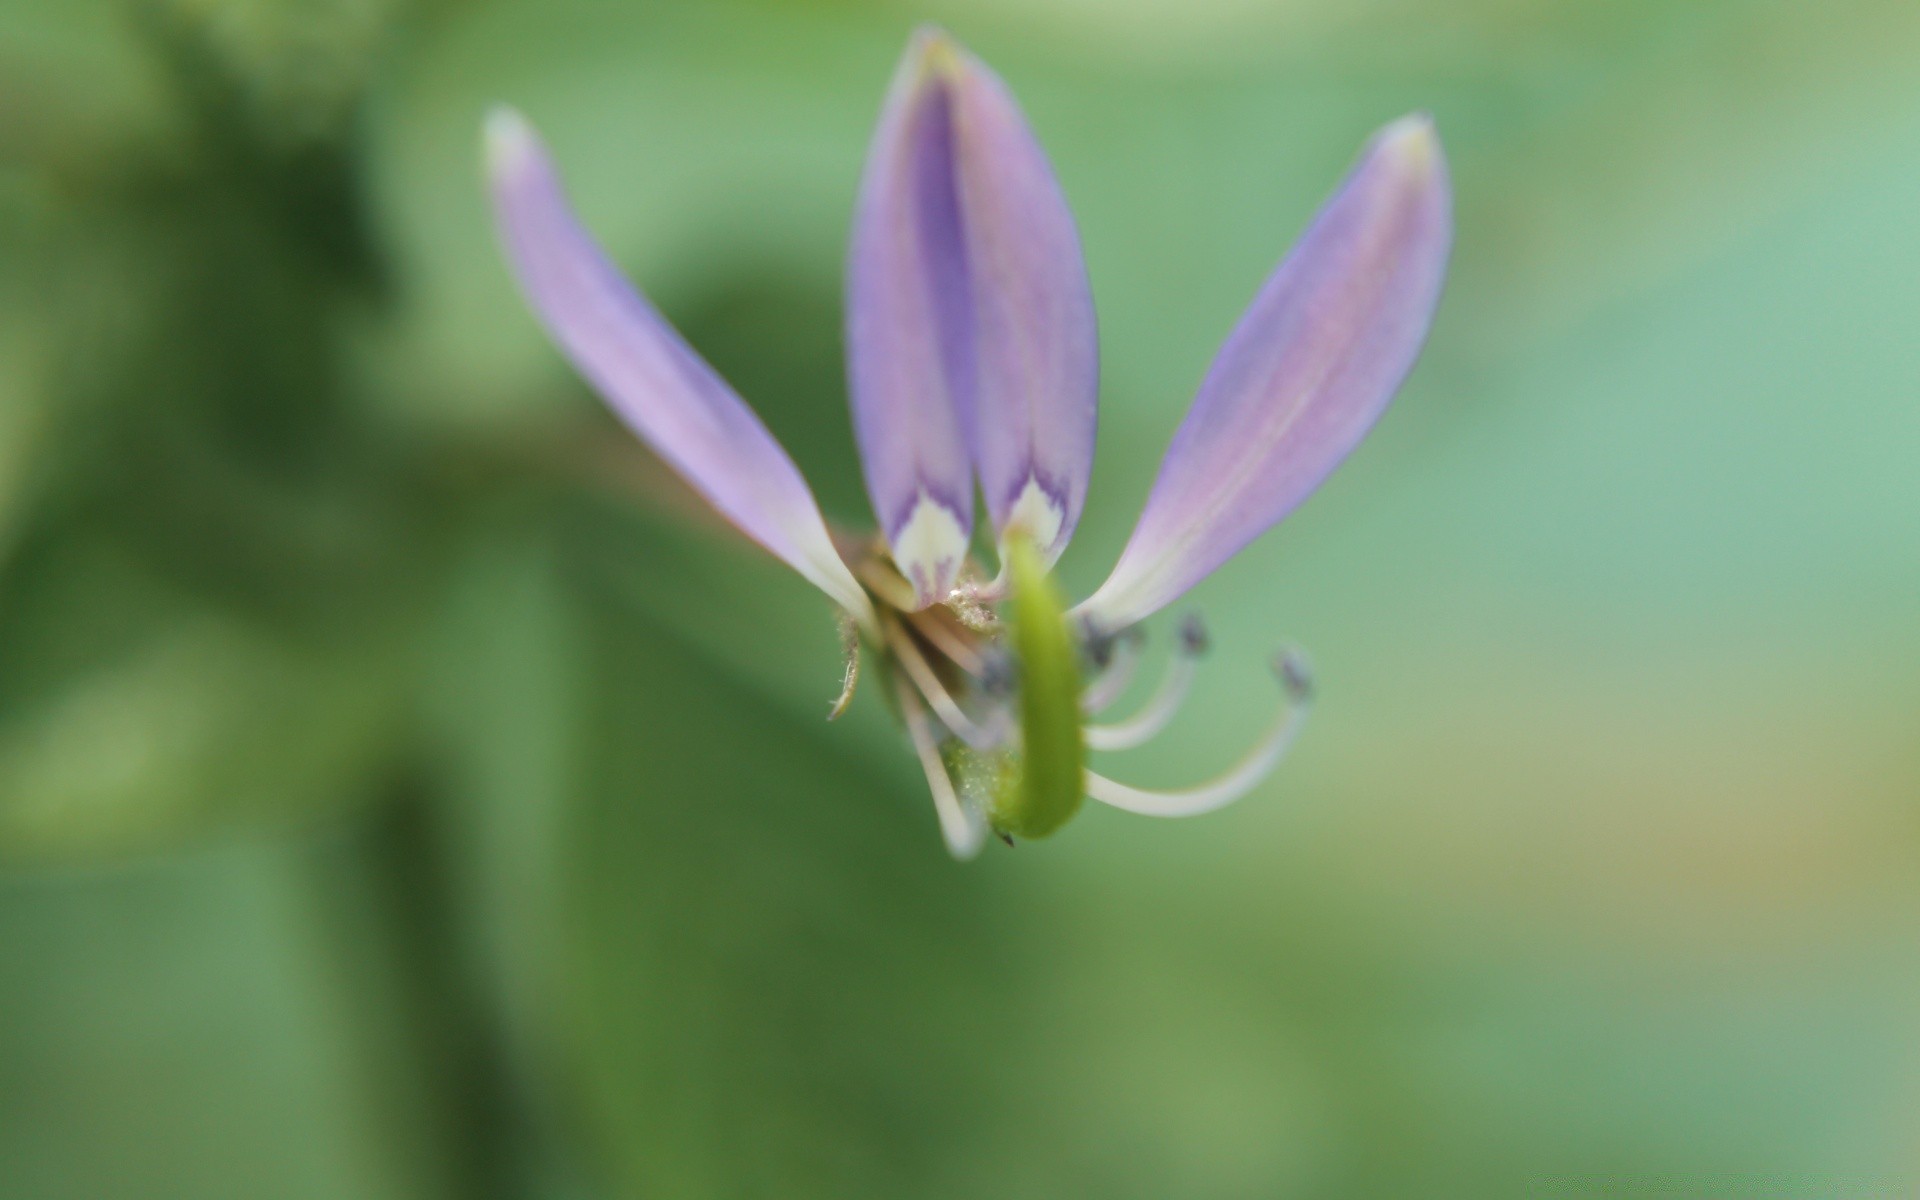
pixel 970 331
pixel 1306 373
pixel 1030 423
pixel 650 377
pixel 910 331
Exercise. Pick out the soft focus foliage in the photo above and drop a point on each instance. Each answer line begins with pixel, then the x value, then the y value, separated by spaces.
pixel 407 790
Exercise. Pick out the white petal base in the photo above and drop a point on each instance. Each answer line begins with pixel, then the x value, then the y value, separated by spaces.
pixel 929 549
pixel 1036 512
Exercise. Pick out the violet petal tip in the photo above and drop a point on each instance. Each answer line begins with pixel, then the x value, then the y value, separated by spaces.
pixel 1311 365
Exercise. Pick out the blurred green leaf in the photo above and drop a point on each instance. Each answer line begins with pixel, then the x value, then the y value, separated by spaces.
pixel 537 872
pixel 233 1022
pixel 208 727
pixel 769 953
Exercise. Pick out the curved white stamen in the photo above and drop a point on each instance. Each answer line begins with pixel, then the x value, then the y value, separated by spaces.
pixel 1237 782
pixel 1111 683
pixel 964 828
pixel 850 679
pixel 1151 719
pixel 974 734
pixel 936 631
pixel 887 584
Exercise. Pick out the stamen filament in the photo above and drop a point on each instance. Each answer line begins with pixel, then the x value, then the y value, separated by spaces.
pixel 850 649
pixel 1236 782
pixel 1112 682
pixel 938 698
pixel 1151 720
pixel 1144 725
pixel 928 624
pixel 964 828
pixel 889 585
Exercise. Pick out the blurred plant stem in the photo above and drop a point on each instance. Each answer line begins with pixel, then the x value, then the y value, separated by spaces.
pixel 215 582
pixel 455 1017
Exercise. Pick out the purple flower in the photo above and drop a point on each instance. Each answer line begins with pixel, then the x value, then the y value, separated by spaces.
pixel 973 362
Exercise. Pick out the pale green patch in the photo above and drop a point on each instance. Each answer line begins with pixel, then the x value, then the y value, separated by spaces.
pixel 1050 782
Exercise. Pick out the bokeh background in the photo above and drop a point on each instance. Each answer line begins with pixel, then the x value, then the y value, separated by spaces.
pixel 408 790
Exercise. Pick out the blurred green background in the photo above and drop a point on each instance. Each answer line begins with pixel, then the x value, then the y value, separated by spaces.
pixel 406 790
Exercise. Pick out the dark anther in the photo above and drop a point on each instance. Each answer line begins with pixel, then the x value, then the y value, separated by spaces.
pixel 1296 674
pixel 1193 635
pixel 997 673
pixel 1005 837
pixel 1099 649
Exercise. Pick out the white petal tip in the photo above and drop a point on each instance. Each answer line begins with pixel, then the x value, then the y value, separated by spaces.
pixel 1411 140
pixel 933 47
pixel 511 141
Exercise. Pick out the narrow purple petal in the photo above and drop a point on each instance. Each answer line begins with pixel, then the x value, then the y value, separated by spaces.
pixel 970 331
pixel 650 377
pixel 1306 373
pixel 1032 414
pixel 910 332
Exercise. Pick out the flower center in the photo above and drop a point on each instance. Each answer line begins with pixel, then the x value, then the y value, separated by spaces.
pixel 995 704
